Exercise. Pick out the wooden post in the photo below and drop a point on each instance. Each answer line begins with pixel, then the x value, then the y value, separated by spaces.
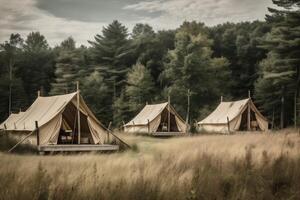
pixel 37 134
pixel 228 125
pixel 78 112
pixel 169 116
pixel 282 113
pixel 109 125
pixel 148 125
pixel 133 126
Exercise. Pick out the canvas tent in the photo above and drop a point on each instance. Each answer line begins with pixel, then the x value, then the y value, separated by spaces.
pixel 234 116
pixel 57 116
pixel 155 119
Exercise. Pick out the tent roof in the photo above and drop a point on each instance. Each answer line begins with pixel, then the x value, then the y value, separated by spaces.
pixel 13 117
pixel 42 110
pixel 229 109
pixel 149 112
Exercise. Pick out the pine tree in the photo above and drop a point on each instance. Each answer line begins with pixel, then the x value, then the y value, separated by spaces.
pixel 280 72
pixel 70 67
pixel 111 51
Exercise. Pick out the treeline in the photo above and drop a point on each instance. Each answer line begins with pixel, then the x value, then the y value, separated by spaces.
pixel 121 70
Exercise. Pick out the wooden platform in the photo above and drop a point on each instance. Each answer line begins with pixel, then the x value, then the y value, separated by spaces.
pixel 78 148
pixel 168 134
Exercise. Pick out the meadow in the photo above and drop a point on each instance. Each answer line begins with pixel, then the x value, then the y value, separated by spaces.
pixel 239 166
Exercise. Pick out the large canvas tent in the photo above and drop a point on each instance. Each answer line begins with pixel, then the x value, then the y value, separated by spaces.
pixel 234 116
pixel 157 119
pixel 57 117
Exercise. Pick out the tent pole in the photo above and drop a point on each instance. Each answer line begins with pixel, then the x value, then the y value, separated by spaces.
pixel 228 125
pixel 249 112
pixel 248 117
pixel 169 113
pixel 109 125
pixel 78 112
pixel 37 134
pixel 148 125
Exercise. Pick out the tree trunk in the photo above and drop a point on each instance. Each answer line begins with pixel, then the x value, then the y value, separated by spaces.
pixel 10 86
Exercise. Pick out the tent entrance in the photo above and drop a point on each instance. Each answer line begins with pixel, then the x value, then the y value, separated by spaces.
pixel 163 126
pixel 253 121
pixel 68 133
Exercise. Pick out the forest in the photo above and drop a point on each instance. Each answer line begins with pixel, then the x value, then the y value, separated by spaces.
pixel 121 70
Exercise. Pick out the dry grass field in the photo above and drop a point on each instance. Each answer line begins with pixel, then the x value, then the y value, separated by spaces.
pixel 240 166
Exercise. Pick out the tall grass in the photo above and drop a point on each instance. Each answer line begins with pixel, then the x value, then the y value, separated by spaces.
pixel 247 166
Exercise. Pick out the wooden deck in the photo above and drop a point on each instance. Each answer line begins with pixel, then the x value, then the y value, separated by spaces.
pixel 168 134
pixel 77 148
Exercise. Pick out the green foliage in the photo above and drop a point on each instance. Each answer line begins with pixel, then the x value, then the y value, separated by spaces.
pixel 111 52
pixel 140 88
pixel 280 71
pixel 36 66
pixel 239 43
pixel 190 66
pixel 121 71
pixel 70 67
pixel 121 111
pixel 96 94
pixel 10 84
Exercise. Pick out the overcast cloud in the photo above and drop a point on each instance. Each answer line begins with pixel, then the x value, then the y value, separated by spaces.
pixel 58 19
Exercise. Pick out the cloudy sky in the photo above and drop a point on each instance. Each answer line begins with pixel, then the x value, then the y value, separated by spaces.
pixel 82 19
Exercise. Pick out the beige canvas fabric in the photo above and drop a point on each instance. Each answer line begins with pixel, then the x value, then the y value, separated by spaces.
pixel 152 114
pixel 217 120
pixel 11 120
pixel 48 112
